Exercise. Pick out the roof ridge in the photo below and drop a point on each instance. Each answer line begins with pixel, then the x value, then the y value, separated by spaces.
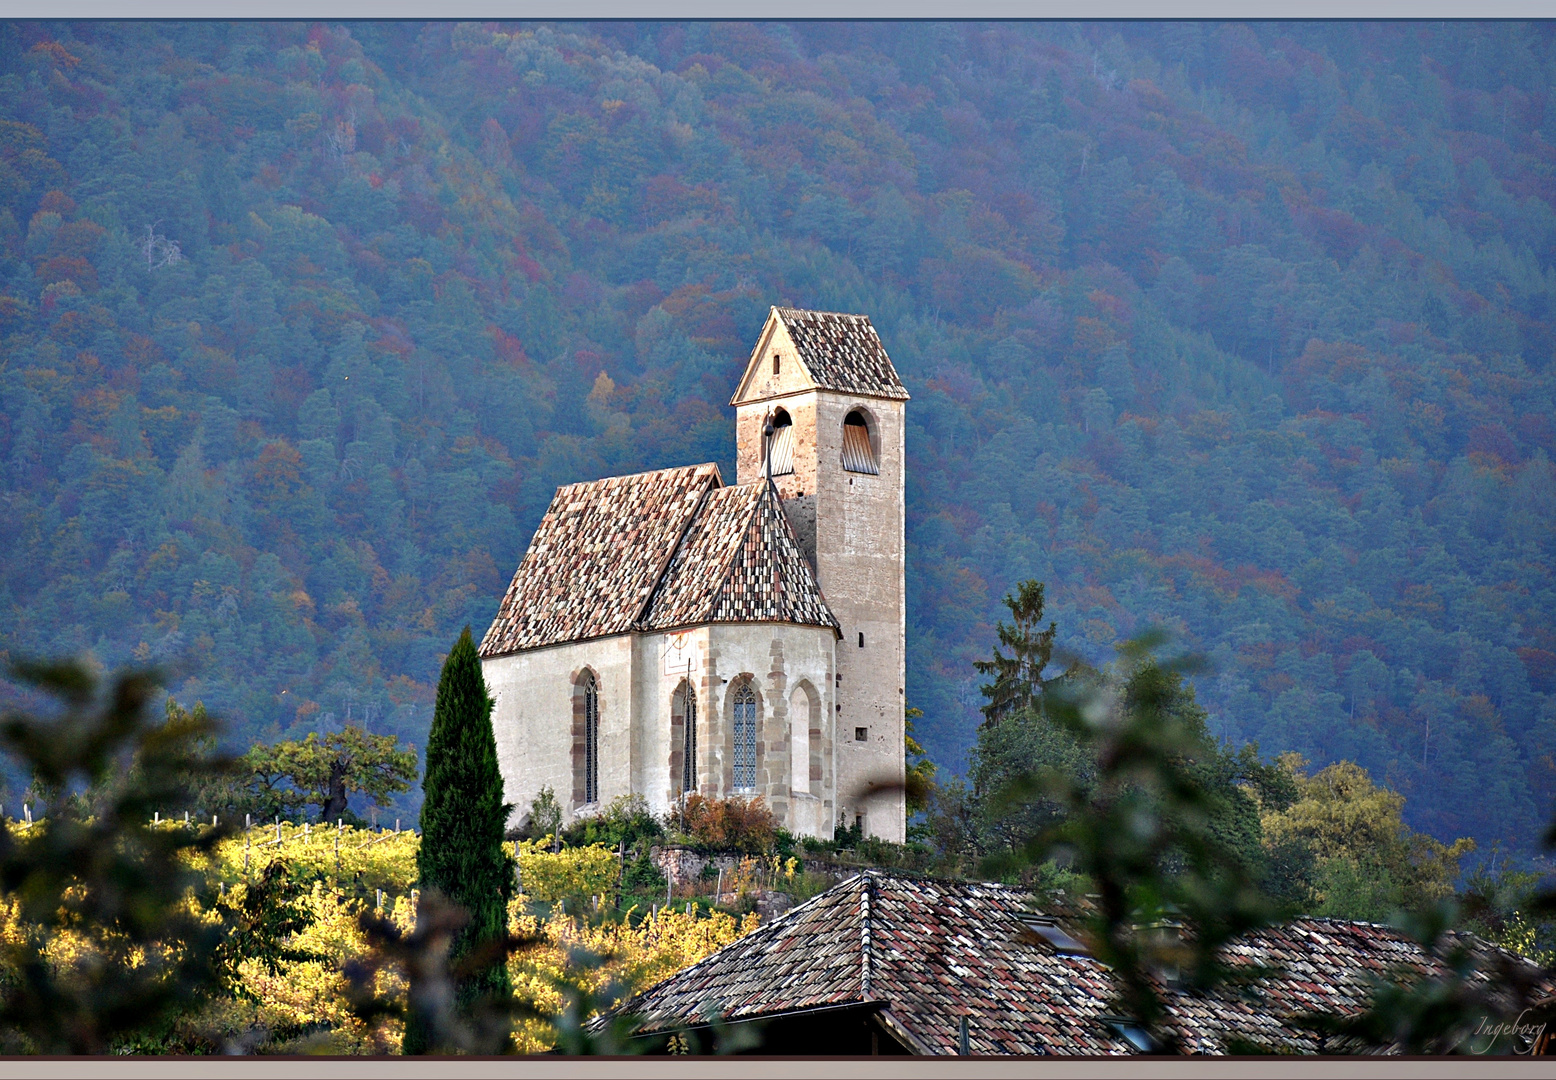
pixel 865 944
pixel 766 930
pixel 823 311
pixel 643 474
pixel 735 550
pixel 664 565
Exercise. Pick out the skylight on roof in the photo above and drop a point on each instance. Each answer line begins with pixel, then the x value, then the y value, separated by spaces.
pixel 1132 1033
pixel 1048 928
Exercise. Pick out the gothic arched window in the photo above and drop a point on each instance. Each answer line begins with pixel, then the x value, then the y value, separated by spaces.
pixel 745 738
pixel 683 720
pixel 586 730
pixel 858 455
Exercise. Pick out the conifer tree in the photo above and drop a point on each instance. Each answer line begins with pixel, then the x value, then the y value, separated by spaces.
pixel 1018 678
pixel 462 821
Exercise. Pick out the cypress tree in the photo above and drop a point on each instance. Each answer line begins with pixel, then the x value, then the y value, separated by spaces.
pixel 463 817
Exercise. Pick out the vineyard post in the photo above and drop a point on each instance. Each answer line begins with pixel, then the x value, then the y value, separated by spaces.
pixel 621 866
pixel 248 842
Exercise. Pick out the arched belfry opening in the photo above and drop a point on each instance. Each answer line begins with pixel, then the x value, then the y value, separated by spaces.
pixel 858 454
pixel 782 449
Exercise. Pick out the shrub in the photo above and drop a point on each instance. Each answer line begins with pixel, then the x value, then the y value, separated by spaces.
pixel 743 825
pixel 626 821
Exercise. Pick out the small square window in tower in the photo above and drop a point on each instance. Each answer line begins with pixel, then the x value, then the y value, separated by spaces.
pixel 782 447
pixel 858 456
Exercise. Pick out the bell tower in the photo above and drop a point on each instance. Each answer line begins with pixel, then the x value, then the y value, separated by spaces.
pixel 824 382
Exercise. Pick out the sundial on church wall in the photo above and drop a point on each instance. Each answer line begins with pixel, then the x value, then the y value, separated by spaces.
pixel 681 656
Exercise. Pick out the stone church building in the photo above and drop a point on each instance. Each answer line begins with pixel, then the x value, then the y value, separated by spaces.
pixel 667 633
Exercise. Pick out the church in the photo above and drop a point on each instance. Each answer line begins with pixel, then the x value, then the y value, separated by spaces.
pixel 668 633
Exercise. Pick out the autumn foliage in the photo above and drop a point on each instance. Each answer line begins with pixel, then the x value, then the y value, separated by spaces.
pixel 732 824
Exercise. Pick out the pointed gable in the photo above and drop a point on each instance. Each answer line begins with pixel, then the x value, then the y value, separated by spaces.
pixel 837 351
pixel 596 557
pixel 739 562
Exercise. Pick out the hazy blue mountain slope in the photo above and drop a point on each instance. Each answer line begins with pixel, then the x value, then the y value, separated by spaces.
pixel 1243 330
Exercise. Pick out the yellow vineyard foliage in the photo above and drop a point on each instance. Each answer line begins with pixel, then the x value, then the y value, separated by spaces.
pixel 631 957
pixel 298 1001
pixel 580 872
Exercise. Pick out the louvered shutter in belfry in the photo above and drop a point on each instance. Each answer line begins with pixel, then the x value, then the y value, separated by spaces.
pixel 857 456
pixel 783 450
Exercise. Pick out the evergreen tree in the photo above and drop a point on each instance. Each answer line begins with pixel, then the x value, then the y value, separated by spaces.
pixel 462 821
pixel 1018 678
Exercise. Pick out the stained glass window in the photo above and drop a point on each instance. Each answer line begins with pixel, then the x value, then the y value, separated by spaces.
pixel 745 738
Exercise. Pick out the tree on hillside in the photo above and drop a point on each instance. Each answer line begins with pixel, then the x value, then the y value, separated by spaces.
pixel 463 818
pixel 919 774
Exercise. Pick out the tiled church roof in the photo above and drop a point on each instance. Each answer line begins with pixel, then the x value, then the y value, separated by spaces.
pixel 739 562
pixel 596 557
pixel 654 551
pixel 843 352
pixel 932 952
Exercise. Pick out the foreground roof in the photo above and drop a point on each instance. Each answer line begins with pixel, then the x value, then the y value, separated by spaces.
pixel 654 551
pixel 930 952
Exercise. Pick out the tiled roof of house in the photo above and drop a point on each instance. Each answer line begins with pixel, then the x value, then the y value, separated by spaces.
pixel 843 352
pixel 931 952
pixel 738 562
pixel 653 551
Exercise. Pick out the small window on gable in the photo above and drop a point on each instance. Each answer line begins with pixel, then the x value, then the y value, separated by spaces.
pixel 776 363
pixel 857 454
pixel 783 444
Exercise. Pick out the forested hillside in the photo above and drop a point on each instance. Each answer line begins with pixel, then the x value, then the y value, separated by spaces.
pixel 1246 330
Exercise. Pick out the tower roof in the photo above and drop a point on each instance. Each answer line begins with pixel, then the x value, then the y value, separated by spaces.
pixel 654 551
pixel 839 352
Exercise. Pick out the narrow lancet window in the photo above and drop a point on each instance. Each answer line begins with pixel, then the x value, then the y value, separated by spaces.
pixel 591 755
pixel 686 707
pixel 745 738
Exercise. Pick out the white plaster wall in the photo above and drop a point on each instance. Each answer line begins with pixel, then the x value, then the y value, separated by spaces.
pixel 532 720
pixel 655 689
pixel 777 657
pixel 533 717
